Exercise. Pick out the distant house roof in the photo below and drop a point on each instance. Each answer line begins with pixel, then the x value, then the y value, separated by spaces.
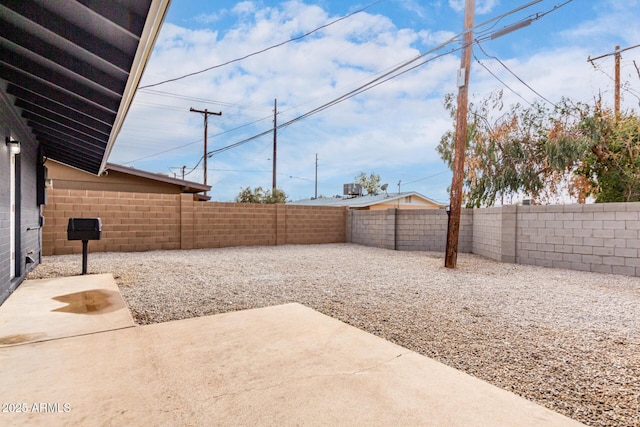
pixel 187 186
pixel 121 178
pixel 405 200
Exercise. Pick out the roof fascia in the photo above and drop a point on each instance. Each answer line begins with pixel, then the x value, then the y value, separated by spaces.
pixel 157 177
pixel 155 18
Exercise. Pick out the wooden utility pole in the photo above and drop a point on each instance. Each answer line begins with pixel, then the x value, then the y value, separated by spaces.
pixel 453 230
pixel 616 53
pixel 616 97
pixel 316 192
pixel 275 143
pixel 206 114
pixel 616 93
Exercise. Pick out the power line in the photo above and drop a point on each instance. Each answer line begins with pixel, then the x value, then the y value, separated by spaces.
pixel 624 87
pixel 616 52
pixel 398 70
pixel 496 19
pixel 195 142
pixel 264 50
pixel 428 177
pixel 363 88
pixel 191 98
pixel 501 81
pixel 515 75
pixel 243 171
pixel 390 74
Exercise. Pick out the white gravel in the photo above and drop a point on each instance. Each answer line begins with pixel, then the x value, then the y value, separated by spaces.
pixel 565 339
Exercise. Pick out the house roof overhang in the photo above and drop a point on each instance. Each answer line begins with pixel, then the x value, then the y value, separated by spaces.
pixel 71 68
pixel 185 186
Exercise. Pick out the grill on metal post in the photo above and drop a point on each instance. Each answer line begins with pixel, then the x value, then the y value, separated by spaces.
pixel 84 229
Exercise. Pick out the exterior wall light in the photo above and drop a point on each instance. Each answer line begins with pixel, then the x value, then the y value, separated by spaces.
pixel 14 146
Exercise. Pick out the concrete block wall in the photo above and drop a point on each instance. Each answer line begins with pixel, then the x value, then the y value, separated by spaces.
pixel 465 239
pixel 422 230
pixel 134 222
pixel 243 224
pixel 601 237
pixel 487 233
pixel 218 225
pixel 372 228
pixel 494 232
pixel 311 224
pixel 407 230
pixel 130 221
pixel 187 222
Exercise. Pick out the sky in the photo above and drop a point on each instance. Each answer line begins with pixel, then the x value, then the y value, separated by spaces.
pixel 392 128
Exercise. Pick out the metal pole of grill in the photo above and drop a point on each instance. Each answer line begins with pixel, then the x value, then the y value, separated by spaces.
pixel 85 250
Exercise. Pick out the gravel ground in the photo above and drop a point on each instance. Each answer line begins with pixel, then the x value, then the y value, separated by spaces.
pixel 567 340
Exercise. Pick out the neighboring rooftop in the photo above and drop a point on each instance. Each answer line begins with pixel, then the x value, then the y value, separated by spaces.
pixel 120 178
pixel 404 200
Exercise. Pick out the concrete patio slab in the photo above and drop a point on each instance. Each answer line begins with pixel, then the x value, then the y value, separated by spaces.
pixel 282 365
pixel 46 309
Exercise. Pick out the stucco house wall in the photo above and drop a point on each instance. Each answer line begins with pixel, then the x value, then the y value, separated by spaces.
pixel 63 177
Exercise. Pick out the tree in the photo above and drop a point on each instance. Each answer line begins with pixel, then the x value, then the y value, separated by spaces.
pixel 523 150
pixel 613 164
pixel 259 195
pixel 276 196
pixel 369 183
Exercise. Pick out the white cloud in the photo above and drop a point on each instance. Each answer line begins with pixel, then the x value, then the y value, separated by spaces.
pixel 244 8
pixel 481 6
pixel 210 18
pixel 611 24
pixel 434 38
pixel 414 6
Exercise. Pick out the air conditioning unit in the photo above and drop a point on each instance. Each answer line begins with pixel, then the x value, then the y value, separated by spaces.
pixel 352 189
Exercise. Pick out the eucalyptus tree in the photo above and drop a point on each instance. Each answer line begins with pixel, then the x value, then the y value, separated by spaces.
pixel 532 151
pixel 613 164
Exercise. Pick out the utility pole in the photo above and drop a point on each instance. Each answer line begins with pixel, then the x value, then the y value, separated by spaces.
pixel 275 142
pixel 183 168
pixel 616 53
pixel 453 231
pixel 616 96
pixel 316 192
pixel 206 114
